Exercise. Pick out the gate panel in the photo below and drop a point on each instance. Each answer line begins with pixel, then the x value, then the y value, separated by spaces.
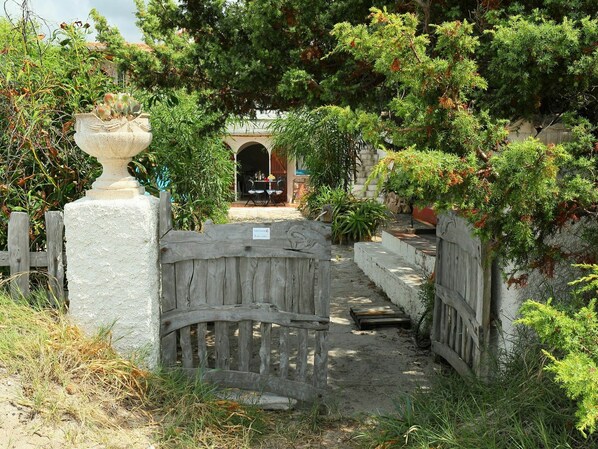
pixel 461 322
pixel 248 313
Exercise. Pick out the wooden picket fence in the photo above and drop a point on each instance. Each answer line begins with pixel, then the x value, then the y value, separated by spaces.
pixel 22 261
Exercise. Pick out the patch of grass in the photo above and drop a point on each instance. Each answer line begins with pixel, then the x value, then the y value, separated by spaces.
pixel 306 428
pixel 520 408
pixel 66 375
pixel 191 415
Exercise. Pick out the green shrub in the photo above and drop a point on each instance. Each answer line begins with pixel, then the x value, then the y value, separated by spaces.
pixel 572 339
pixel 359 222
pixel 314 200
pixel 188 158
pixel 43 82
pixel 318 137
pixel 352 219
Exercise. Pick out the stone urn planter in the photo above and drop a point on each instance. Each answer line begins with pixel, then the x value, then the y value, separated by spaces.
pixel 113 143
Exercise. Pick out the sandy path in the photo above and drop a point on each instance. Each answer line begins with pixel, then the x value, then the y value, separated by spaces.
pixel 368 370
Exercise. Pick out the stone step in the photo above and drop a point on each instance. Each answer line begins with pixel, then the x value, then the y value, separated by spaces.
pixel 368 157
pixel 359 193
pixel 394 275
pixel 367 163
pixel 366 166
pixel 418 250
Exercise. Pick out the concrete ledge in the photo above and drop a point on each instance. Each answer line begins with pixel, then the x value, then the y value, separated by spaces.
pixel 414 249
pixel 393 274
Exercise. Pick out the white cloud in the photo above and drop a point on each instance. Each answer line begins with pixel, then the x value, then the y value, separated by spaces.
pixel 119 13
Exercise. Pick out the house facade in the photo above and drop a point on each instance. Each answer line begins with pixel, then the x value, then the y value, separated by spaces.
pixel 255 157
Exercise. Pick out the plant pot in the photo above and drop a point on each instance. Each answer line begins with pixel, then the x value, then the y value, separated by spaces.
pixel 113 143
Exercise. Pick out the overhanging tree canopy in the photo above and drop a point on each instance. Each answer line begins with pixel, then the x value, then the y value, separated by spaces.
pixel 436 77
pixel 277 54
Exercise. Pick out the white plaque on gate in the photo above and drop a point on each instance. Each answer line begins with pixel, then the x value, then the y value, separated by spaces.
pixel 261 233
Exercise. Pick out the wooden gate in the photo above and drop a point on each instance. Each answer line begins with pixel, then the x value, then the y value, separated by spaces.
pixel 461 323
pixel 247 305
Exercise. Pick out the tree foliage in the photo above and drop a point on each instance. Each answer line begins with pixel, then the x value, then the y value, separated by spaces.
pixel 543 66
pixel 318 138
pixel 192 163
pixel 43 81
pixel 278 54
pixel 455 155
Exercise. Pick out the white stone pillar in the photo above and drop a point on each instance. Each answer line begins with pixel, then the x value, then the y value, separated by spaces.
pixel 113 276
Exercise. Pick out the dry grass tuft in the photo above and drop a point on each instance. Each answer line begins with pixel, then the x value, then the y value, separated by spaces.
pixel 68 376
pixel 63 372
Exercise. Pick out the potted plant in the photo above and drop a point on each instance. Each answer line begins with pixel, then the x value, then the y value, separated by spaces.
pixel 114 132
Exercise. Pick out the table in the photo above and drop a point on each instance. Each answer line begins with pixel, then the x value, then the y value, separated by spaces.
pixel 261 186
pixel 265 185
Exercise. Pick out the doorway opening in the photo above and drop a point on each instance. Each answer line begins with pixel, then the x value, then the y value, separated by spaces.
pixel 251 160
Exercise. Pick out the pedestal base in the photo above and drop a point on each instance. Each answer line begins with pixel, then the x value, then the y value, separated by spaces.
pixel 112 251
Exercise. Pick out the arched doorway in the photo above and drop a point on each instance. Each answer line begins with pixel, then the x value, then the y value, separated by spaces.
pixel 251 160
pixel 252 149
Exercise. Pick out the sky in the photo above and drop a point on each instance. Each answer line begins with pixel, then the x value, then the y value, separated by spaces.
pixel 119 13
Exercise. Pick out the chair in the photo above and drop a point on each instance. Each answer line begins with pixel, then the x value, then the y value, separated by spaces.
pixel 275 194
pixel 254 194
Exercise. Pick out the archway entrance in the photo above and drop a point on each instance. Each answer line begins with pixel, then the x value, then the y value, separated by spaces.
pixel 252 148
pixel 251 160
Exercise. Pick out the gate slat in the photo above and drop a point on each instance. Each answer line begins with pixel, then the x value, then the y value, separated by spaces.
pixel 55 252
pixel 277 293
pixel 287 239
pixel 305 275
pixel 165 217
pixel 262 294
pixel 232 294
pixel 284 350
pixel 169 342
pixel 199 297
pixel 258 382
pixel 184 274
pixel 291 292
pixel 322 308
pixel 265 348
pixel 215 292
pixel 247 267
pixel 453 330
pixel 177 319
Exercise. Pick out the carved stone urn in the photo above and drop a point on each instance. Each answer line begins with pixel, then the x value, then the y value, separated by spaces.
pixel 113 143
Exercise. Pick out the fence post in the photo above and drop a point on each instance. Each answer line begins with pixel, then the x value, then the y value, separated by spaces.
pixel 114 282
pixel 18 253
pixel 55 252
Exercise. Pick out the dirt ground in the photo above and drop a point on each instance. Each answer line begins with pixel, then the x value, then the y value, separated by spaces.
pixel 368 372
